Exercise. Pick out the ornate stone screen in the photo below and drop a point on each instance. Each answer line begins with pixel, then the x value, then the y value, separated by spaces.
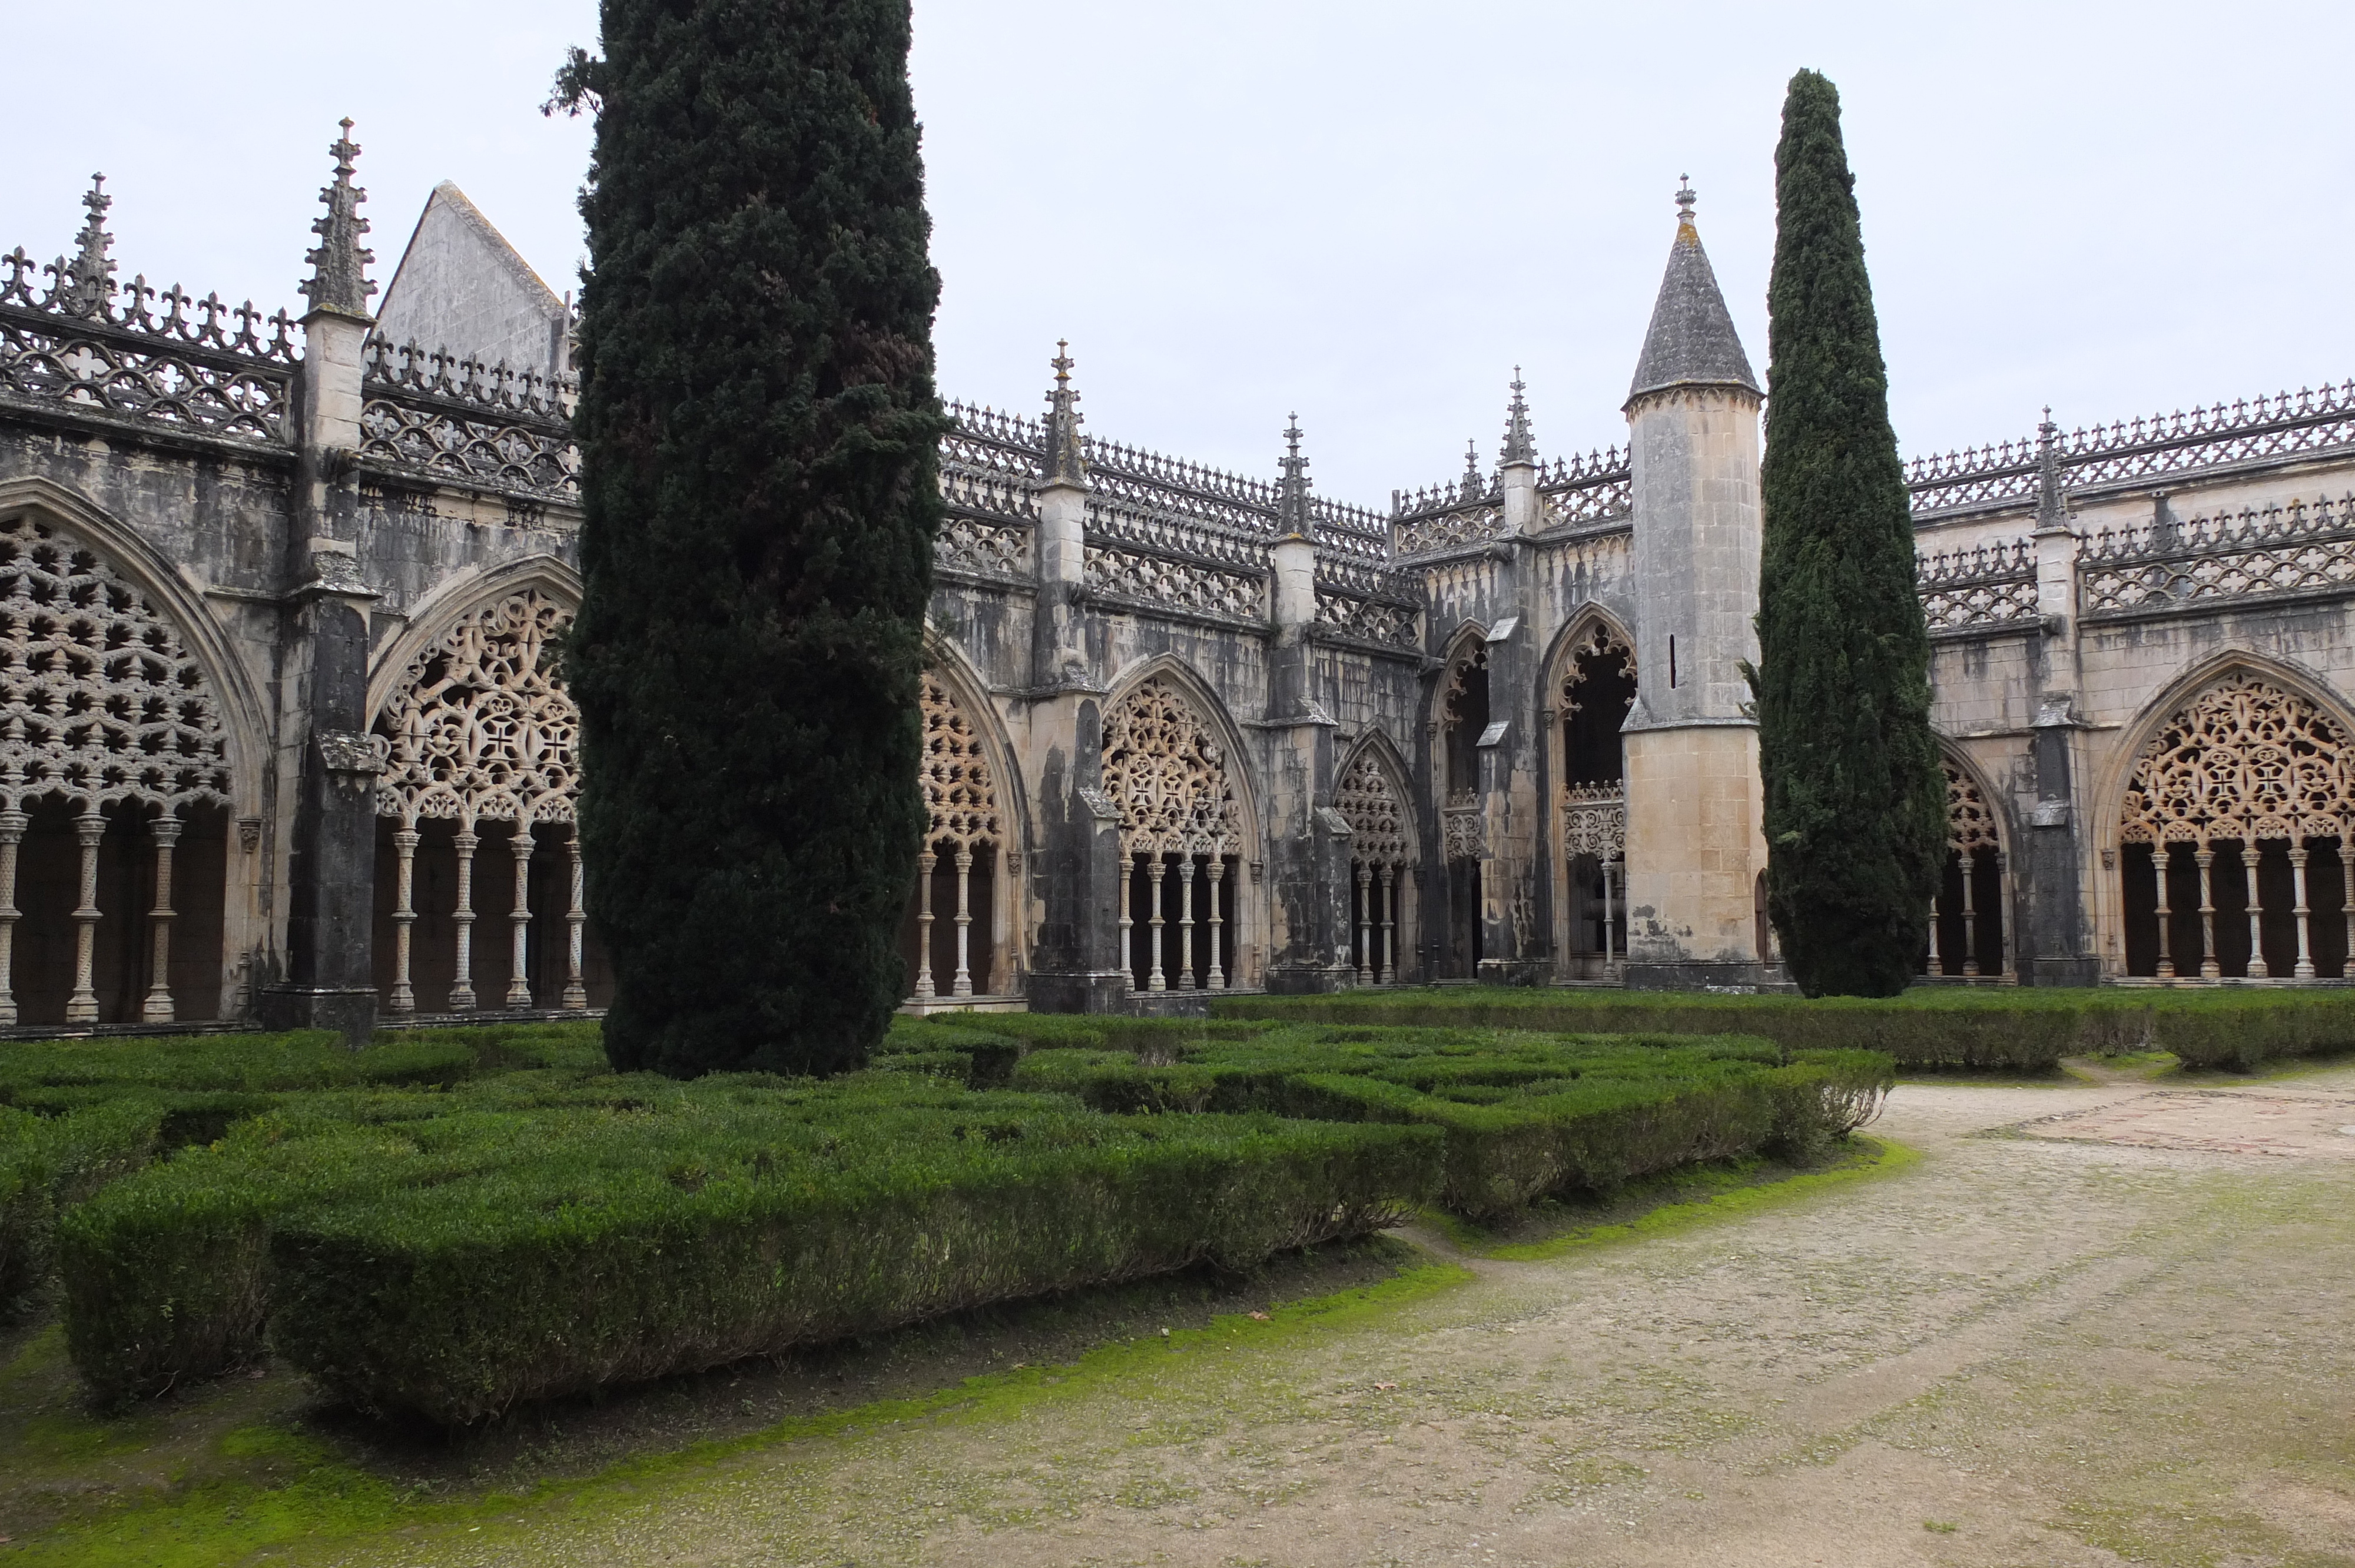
pixel 2246 764
pixel 102 704
pixel 961 803
pixel 1167 773
pixel 1374 805
pixel 478 730
pixel 1974 856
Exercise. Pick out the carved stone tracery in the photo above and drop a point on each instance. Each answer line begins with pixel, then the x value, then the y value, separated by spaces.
pixel 101 700
pixel 2243 760
pixel 958 792
pixel 478 728
pixel 1970 826
pixel 1370 803
pixel 1168 775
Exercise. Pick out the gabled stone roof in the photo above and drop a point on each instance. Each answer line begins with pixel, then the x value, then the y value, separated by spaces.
pixel 1691 342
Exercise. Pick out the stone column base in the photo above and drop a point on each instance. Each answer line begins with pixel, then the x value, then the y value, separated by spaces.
pixel 1091 990
pixel 1516 972
pixel 1308 979
pixel 349 1011
pixel 2060 971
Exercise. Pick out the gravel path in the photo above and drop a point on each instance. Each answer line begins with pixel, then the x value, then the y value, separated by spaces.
pixel 2027 1349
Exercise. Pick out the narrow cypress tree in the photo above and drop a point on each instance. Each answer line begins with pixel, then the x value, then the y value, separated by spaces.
pixel 758 426
pixel 1855 802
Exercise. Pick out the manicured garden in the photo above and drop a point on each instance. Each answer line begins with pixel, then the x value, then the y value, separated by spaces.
pixel 1928 1028
pixel 449 1224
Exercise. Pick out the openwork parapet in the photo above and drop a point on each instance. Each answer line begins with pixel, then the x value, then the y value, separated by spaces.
pixel 2122 453
pixel 1377 621
pixel 1167 582
pixel 1989 586
pixel 1449 530
pixel 198 368
pixel 2297 549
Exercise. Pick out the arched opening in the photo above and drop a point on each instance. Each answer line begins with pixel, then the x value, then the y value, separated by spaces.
pixel 1464 715
pixel 114 796
pixel 1382 868
pixel 949 936
pixel 1966 939
pixel 1598 687
pixel 1181 837
pixel 2234 840
pixel 478 868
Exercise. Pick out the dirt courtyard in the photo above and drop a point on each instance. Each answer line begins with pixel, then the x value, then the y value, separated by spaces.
pixel 2031 1346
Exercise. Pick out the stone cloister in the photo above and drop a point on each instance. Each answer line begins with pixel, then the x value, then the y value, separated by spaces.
pixel 284 740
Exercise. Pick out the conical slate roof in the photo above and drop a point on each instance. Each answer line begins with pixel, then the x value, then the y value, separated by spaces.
pixel 1691 342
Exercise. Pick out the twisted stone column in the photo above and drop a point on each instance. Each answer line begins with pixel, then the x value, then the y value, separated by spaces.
pixel 89 828
pixel 158 1008
pixel 405 839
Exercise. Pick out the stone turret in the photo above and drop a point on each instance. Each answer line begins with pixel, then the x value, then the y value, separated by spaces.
pixel 1695 847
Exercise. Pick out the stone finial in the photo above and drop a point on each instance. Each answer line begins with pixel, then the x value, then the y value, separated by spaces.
pixel 1691 341
pixel 1064 463
pixel 1520 444
pixel 2052 505
pixel 339 280
pixel 86 283
pixel 1475 484
pixel 1292 504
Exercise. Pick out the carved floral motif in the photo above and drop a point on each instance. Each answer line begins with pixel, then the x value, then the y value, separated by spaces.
pixel 958 793
pixel 1168 775
pixel 2243 760
pixel 1370 802
pixel 479 727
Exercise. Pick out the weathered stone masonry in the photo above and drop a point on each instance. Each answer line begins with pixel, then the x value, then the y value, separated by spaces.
pixel 283 741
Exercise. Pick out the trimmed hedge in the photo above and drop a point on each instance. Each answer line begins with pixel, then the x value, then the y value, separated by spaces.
pixel 49 1164
pixel 1524 1115
pixel 448 1254
pixel 1930 1028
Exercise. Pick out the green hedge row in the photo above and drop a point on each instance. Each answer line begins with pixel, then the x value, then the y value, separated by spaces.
pixel 1932 1028
pixel 1524 1115
pixel 50 1164
pixel 449 1255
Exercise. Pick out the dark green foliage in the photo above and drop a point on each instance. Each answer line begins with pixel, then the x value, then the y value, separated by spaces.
pixel 1855 807
pixel 1524 1115
pixel 758 427
pixel 50 1164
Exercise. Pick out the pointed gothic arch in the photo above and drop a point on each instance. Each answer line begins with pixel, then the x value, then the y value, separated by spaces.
pixel 2235 824
pixel 1970 926
pixel 1590 685
pixel 1459 714
pixel 1373 797
pixel 478 732
pixel 127 741
pixel 974 839
pixel 1173 773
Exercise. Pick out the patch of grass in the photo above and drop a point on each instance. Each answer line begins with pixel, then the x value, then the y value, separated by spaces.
pixel 1939 1527
pixel 269 1486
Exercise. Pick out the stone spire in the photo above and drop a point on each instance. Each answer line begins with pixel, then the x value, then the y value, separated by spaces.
pixel 86 283
pixel 339 280
pixel 2051 507
pixel 1691 342
pixel 1292 504
pixel 1475 484
pixel 1520 445
pixel 1064 463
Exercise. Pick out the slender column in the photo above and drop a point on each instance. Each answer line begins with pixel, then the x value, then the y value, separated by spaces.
pixel 461 921
pixel 1127 888
pixel 1970 919
pixel 1190 977
pixel 89 827
pixel 158 1008
pixel 2346 883
pixel 404 916
pixel 1930 967
pixel 1219 870
pixel 2257 969
pixel 1156 867
pixel 2208 968
pixel 1386 970
pixel 963 986
pixel 1609 935
pixel 519 916
pixel 1362 946
pixel 2161 856
pixel 925 864
pixel 576 919
pixel 2297 857
pixel 12 835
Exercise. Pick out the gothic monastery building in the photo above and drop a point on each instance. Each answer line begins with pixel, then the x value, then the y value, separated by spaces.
pixel 283 740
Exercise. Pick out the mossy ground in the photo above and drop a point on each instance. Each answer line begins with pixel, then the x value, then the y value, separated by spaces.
pixel 2005 1352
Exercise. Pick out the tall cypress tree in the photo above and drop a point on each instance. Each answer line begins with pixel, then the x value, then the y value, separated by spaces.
pixel 758 426
pixel 1855 802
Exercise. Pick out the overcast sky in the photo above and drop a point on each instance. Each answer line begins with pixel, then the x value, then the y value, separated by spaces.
pixel 1368 212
